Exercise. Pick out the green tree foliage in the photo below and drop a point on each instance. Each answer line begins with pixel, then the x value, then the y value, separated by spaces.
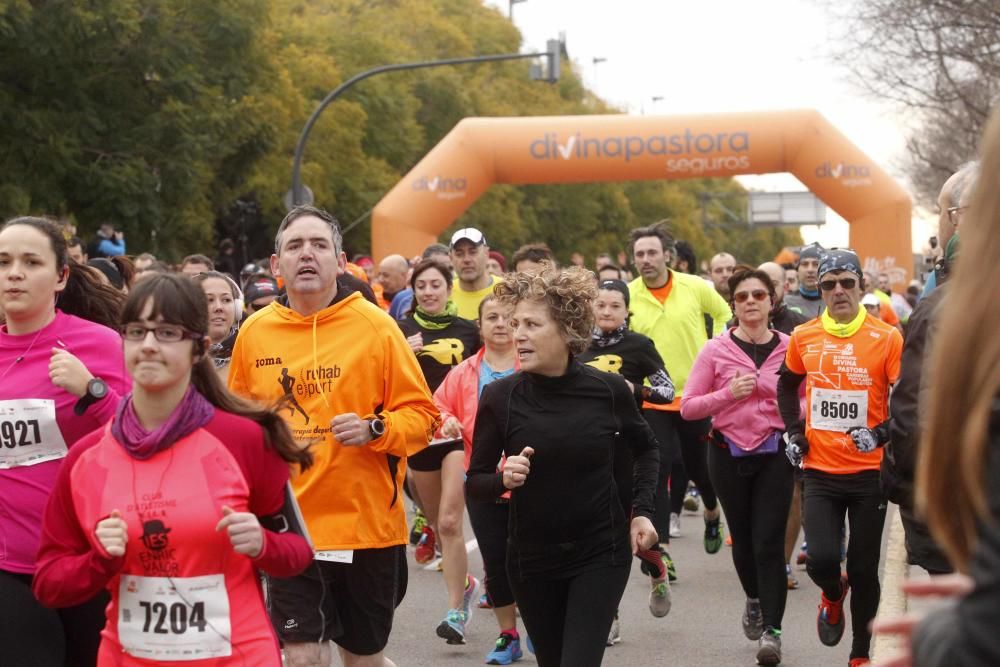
pixel 177 120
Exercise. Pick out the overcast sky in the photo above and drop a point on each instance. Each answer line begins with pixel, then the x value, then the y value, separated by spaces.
pixel 717 56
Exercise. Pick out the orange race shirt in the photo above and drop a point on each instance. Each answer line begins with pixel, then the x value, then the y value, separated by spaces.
pixel 661 293
pixel 847 385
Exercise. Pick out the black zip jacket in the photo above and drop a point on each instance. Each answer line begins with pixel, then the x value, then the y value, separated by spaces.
pixel 568 516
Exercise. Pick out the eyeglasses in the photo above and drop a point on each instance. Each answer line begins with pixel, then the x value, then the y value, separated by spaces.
pixel 955 214
pixel 164 333
pixel 757 294
pixel 846 283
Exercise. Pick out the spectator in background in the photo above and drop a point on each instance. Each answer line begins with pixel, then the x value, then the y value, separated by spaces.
pixel 76 252
pixel 576 259
pixel 533 257
pixel 440 252
pixel 192 265
pixel 393 275
pixel 685 260
pixel 367 264
pixel 791 278
pixel 143 262
pixel 496 265
pixel 107 242
pixel 609 272
pixel 227 262
pixel 261 290
pixel 721 267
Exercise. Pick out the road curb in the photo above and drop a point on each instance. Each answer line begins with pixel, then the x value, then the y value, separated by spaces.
pixel 894 601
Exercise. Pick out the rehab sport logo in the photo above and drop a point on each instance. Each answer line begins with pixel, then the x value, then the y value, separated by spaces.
pixel 701 152
pixel 441 187
pixel 850 175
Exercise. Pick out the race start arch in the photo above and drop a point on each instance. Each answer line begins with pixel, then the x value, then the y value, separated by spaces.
pixel 479 152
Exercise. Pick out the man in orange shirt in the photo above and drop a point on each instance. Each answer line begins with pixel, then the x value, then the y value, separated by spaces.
pixel 351 386
pixel 849 360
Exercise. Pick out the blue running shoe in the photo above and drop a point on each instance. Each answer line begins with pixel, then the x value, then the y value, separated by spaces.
pixel 527 642
pixel 507 651
pixel 452 628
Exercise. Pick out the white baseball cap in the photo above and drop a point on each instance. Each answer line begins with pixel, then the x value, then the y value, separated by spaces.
pixel 468 234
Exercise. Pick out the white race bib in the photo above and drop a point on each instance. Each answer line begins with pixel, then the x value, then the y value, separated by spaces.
pixel 341 556
pixel 29 433
pixel 174 619
pixel 838 410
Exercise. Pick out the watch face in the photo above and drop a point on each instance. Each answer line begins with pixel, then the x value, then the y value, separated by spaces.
pixel 377 427
pixel 97 388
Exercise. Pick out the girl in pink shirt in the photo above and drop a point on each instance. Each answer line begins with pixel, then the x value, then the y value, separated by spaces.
pixel 175 504
pixel 61 373
pixel 734 380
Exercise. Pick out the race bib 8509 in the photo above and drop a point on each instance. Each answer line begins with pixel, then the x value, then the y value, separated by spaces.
pixel 29 433
pixel 838 410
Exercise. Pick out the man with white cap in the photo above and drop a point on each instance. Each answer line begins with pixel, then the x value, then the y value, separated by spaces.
pixel 473 283
pixel 849 360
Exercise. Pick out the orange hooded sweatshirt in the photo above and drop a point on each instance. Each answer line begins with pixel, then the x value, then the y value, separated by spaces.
pixel 348 357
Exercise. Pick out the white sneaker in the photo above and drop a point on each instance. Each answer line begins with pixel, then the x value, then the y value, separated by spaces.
pixel 615 635
pixel 675 524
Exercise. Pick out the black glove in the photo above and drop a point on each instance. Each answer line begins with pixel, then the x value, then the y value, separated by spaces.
pixel 865 439
pixel 796 447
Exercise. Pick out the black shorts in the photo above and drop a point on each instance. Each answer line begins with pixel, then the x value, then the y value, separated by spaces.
pixel 352 604
pixel 431 458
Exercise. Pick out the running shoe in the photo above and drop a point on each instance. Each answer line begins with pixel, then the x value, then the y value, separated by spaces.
pixel 691 498
pixel 527 643
pixel 769 647
pixel 484 602
pixel 801 559
pixel 671 568
pixel 713 535
pixel 615 635
pixel 659 597
pixel 417 529
pixel 793 583
pixel 859 662
pixel 506 651
pixel 830 619
pixel 452 628
pixel 471 588
pixel 753 620
pixel 675 524
pixel 426 551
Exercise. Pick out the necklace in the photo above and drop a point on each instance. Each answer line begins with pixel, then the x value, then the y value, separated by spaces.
pixel 755 343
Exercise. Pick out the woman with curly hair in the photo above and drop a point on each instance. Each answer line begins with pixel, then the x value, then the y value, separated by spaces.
pixel 560 425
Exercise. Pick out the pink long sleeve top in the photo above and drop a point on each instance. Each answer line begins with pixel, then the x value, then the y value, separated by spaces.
pixel 746 422
pixel 38 425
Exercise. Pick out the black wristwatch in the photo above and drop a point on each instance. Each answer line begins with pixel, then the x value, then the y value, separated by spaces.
pixel 96 390
pixel 376 428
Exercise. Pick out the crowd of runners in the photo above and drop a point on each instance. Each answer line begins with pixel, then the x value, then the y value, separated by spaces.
pixel 182 444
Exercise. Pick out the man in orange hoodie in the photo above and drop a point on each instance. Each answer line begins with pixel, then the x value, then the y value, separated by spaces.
pixel 350 386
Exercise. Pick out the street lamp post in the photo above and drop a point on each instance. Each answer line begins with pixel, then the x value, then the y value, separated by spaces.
pixel 298 192
pixel 597 61
pixel 510 8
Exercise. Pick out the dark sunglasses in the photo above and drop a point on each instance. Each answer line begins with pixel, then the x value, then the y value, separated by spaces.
pixel 757 294
pixel 846 283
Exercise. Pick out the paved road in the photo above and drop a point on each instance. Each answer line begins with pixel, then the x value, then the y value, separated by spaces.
pixel 703 628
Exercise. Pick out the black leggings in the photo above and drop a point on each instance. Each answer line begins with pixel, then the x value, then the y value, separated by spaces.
pixel 827 498
pixel 489 524
pixel 756 494
pixel 678 486
pixel 33 635
pixel 673 433
pixel 568 620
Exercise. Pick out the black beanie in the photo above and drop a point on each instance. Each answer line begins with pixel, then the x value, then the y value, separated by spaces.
pixel 617 286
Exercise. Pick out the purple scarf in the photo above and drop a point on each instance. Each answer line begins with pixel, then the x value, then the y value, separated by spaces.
pixel 193 412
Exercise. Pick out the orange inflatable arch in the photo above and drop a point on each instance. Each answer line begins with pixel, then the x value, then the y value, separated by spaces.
pixel 479 152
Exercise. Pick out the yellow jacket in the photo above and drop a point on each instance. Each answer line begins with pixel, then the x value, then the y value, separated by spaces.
pixel 348 357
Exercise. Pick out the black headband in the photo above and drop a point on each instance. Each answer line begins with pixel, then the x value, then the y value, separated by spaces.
pixel 617 286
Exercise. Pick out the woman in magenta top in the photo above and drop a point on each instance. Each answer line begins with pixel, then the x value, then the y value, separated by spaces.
pixel 175 504
pixel 734 381
pixel 61 375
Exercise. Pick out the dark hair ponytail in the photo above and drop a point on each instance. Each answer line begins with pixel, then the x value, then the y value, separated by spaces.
pixel 86 296
pixel 176 299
